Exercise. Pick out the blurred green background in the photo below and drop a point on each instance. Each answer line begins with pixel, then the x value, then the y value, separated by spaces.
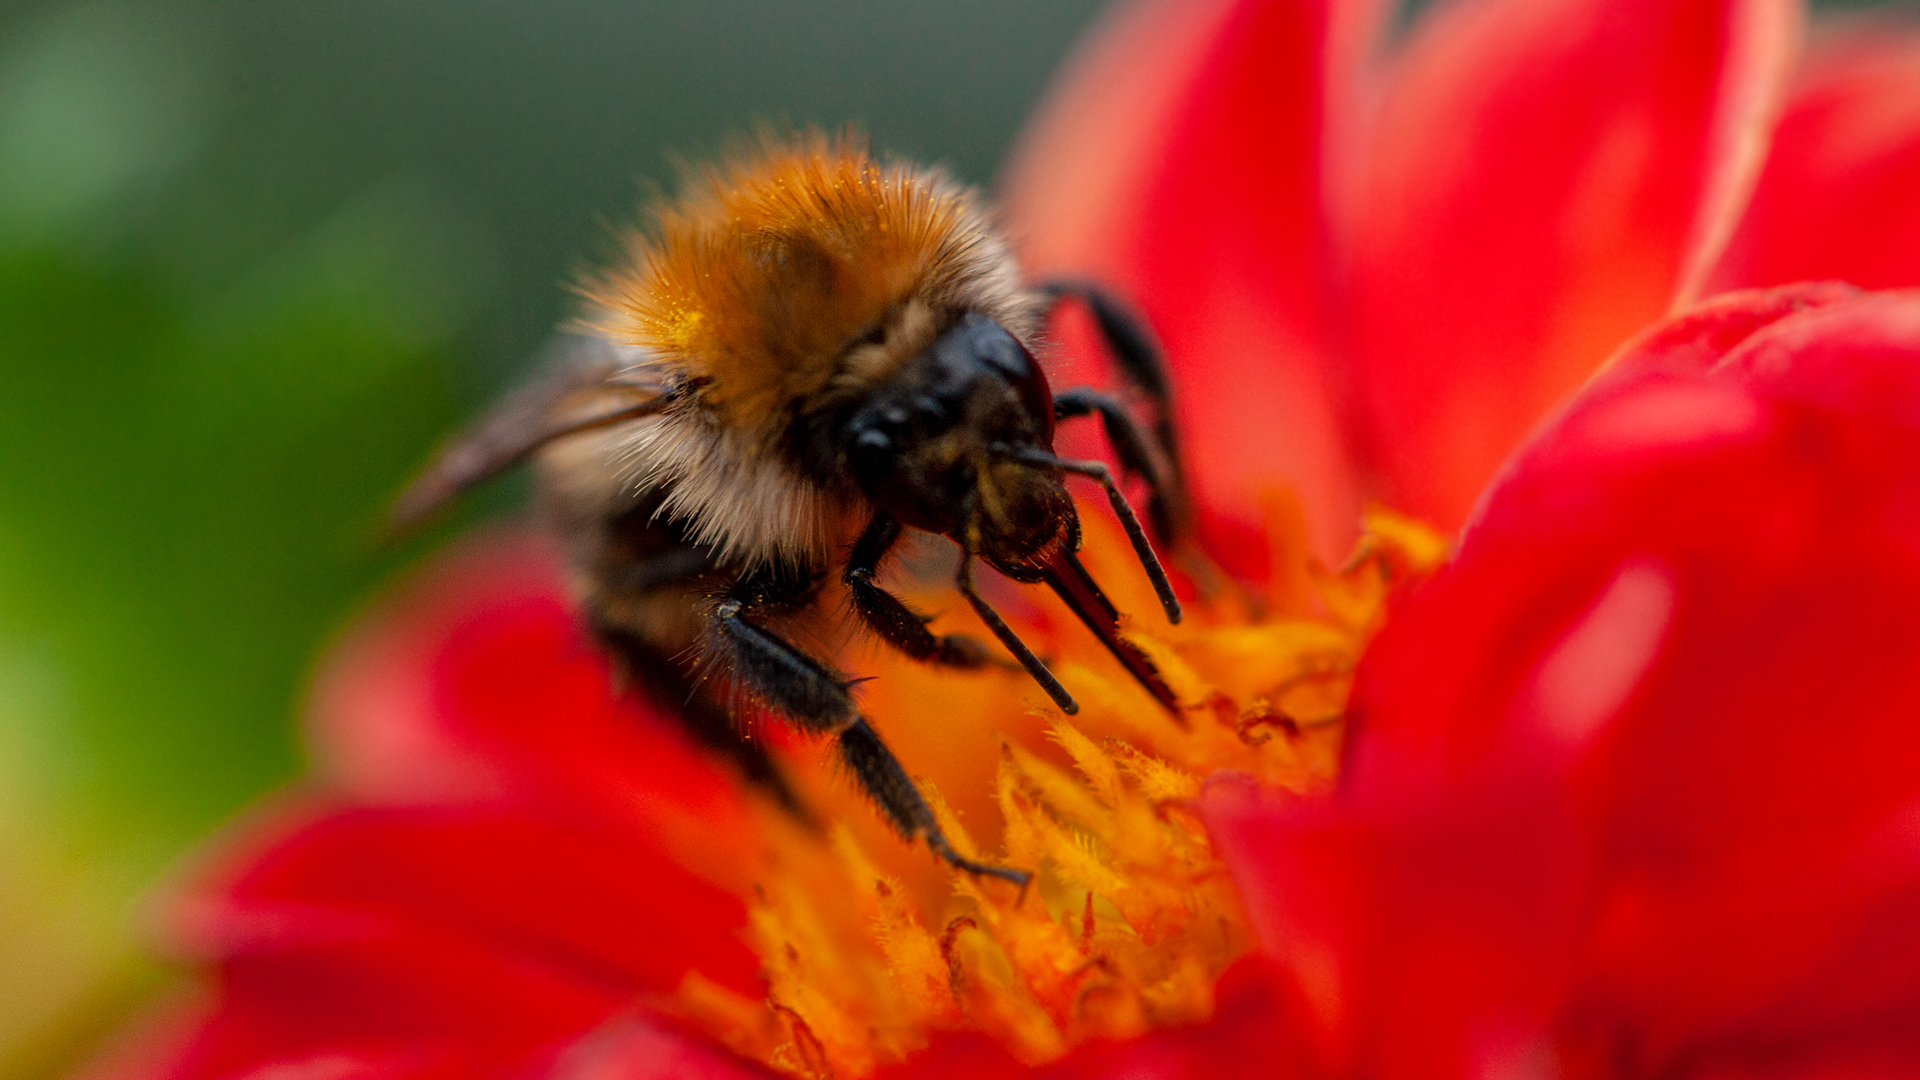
pixel 256 256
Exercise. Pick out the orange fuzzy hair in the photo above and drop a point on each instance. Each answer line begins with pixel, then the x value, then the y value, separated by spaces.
pixel 756 278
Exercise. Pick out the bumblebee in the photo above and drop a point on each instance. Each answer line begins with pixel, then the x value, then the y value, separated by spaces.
pixel 807 354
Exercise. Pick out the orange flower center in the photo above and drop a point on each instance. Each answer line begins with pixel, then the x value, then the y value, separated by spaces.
pixel 870 946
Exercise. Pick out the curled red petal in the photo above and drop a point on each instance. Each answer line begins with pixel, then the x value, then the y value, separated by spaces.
pixel 1636 777
pixel 1700 337
pixel 1184 160
pixel 1545 179
pixel 1836 198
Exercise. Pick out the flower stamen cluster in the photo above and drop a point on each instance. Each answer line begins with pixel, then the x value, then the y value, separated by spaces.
pixel 1132 917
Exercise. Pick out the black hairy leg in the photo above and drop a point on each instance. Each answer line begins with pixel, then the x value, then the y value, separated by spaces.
pixel 879 772
pixel 815 697
pixel 796 685
pixel 647 558
pixel 885 613
pixel 665 681
pixel 1142 363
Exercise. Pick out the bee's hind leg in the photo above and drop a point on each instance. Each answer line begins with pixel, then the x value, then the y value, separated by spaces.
pixel 660 677
pixel 645 565
pixel 814 696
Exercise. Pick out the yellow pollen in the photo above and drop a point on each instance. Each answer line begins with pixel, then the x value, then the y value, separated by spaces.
pixel 869 947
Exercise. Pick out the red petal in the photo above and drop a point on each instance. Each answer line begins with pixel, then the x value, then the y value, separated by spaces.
pixel 1183 162
pixel 475 682
pixel 399 1005
pixel 1837 197
pixel 1253 1032
pixel 1636 777
pixel 596 906
pixel 436 940
pixel 639 1048
pixel 1547 176
pixel 181 1043
pixel 509 887
pixel 1699 338
pixel 1415 946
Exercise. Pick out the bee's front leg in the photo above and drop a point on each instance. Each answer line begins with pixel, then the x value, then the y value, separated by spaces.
pixel 1140 361
pixel 1130 447
pixel 814 696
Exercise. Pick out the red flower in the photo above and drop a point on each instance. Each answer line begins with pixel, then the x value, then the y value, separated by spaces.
pixel 1635 784
pixel 1631 785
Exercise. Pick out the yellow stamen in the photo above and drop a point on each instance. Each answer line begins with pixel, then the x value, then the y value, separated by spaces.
pixel 869 947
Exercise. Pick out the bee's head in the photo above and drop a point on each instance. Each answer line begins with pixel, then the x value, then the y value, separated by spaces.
pixel 937 445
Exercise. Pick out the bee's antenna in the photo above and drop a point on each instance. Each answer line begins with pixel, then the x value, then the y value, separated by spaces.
pixel 1142 548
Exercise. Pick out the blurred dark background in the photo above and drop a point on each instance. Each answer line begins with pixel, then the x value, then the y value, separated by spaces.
pixel 256 256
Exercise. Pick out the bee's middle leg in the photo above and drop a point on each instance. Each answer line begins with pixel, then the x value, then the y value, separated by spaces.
pixel 880 774
pixel 887 615
pixel 815 697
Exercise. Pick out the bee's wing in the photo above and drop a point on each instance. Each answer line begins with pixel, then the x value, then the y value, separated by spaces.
pixel 585 385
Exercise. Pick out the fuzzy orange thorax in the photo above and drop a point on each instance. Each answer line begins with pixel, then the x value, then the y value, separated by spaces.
pixel 759 276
